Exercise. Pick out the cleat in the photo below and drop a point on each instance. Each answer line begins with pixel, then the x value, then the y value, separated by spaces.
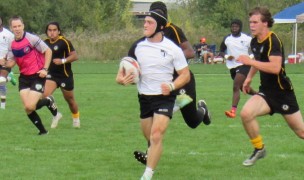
pixel 52 106
pixel 12 78
pixel 203 106
pixel 141 157
pixel 182 100
pixel 76 123
pixel 230 114
pixel 256 155
pixel 43 133
pixel 55 120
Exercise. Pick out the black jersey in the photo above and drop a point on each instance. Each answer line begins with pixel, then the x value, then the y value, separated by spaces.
pixel 61 48
pixel 271 46
pixel 175 34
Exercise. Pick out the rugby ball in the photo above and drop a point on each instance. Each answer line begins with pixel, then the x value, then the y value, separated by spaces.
pixel 128 64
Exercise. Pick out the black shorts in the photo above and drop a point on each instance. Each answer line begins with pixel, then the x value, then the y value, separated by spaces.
pixel 34 82
pixel 243 69
pixel 159 104
pixel 282 102
pixel 66 83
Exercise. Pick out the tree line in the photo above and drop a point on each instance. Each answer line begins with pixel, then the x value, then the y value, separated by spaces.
pixel 104 30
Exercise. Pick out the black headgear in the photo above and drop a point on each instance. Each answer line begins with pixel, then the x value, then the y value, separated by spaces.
pixel 160 19
pixel 238 22
pixel 160 6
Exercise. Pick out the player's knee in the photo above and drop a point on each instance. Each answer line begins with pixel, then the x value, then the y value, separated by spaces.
pixel 29 108
pixel 156 136
pixel 245 114
pixel 300 134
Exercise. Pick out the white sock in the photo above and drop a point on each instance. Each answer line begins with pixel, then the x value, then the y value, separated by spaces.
pixel 2 106
pixel 148 172
pixel 175 108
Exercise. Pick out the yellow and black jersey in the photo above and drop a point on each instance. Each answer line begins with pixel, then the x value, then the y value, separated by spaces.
pixel 271 46
pixel 175 34
pixel 61 48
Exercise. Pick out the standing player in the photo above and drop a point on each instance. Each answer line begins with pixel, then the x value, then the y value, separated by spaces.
pixel 276 93
pixel 235 44
pixel 60 71
pixel 157 57
pixel 33 57
pixel 192 115
pixel 6 37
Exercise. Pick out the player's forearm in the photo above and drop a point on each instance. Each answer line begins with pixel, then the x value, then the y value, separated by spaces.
pixel 182 79
pixel 252 72
pixel 273 67
pixel 48 57
pixel 73 56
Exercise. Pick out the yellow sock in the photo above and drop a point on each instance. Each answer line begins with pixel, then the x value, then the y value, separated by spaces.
pixel 76 116
pixel 257 142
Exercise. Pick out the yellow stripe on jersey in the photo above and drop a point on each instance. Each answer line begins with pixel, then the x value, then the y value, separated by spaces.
pixel 64 56
pixel 176 34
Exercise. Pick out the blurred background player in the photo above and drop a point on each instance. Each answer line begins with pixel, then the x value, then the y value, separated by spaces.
pixel 236 44
pixel 6 37
pixel 60 71
pixel 186 96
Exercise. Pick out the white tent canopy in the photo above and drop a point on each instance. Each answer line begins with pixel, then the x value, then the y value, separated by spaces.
pixel 293 14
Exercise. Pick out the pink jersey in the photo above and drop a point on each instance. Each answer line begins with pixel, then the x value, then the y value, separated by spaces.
pixel 28 53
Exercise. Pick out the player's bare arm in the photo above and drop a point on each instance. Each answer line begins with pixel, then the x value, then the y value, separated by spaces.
pixel 273 66
pixel 246 85
pixel 187 50
pixel 73 56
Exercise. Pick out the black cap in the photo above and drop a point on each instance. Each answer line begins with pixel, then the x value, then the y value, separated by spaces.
pixel 158 5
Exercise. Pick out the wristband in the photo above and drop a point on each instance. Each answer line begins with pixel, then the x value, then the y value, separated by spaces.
pixel 46 69
pixel 172 87
pixel 63 60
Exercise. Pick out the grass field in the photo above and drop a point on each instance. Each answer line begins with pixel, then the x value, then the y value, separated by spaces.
pixel 103 147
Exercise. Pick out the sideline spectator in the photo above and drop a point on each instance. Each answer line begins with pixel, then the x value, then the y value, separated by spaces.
pixel 206 52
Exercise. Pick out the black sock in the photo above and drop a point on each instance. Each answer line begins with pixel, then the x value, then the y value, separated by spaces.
pixel 34 117
pixel 53 109
pixel 46 102
pixel 42 102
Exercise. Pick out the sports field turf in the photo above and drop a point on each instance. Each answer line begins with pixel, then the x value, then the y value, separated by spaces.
pixel 103 147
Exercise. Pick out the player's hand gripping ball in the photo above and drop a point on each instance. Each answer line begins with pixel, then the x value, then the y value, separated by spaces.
pixel 128 64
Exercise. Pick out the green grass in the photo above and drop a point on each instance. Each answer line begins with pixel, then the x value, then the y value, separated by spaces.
pixel 110 132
